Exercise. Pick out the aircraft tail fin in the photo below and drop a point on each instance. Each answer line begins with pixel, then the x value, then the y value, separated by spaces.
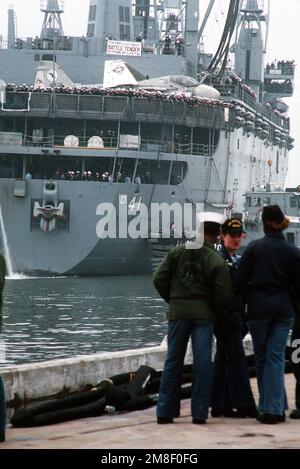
pixel 118 73
pixel 47 75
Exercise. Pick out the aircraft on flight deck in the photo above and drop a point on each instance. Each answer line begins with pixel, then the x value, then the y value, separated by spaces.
pixel 118 74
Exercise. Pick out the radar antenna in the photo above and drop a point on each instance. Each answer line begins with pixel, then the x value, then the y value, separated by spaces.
pixel 52 25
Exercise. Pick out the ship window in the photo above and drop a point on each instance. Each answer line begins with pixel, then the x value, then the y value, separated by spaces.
pixel 124 20
pixel 161 172
pixel 293 202
pixel 121 14
pixel 248 202
pixel 5 169
pixel 92 14
pixel 153 171
pixel 290 237
pixel 127 32
pixel 238 144
pixel 124 170
pixel 179 169
pixel 256 202
pixel 48 57
pixel 122 32
pixel 277 162
pixel 127 15
pixel 16 101
pixel 139 7
pixel 37 57
pixel 91 29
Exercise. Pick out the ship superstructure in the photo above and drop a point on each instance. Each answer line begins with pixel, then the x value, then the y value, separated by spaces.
pixel 288 200
pixel 179 132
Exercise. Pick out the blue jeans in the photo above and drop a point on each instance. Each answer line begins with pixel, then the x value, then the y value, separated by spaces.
pixel 231 387
pixel 2 409
pixel 269 338
pixel 179 333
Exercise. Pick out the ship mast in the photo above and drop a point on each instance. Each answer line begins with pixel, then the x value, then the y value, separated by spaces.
pixel 52 25
pixel 251 43
pixel 12 28
pixel 191 36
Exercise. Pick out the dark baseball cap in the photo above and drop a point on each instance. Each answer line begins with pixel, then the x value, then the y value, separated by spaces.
pixel 232 226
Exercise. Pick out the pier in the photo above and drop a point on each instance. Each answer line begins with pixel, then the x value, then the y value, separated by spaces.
pixel 134 430
pixel 137 430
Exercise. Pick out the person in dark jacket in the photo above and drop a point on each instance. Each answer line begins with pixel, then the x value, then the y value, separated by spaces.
pixel 231 390
pixel 196 284
pixel 2 396
pixel 269 275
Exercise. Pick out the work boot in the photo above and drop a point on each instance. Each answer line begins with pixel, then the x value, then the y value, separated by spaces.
pixel 164 420
pixel 199 421
pixel 295 414
pixel 272 419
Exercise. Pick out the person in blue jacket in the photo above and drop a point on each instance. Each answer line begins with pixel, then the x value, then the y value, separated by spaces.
pixel 269 276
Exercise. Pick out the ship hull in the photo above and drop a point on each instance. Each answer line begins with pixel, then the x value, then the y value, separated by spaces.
pixel 77 249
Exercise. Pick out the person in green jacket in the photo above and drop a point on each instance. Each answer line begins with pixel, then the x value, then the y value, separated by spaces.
pixel 196 284
pixel 2 396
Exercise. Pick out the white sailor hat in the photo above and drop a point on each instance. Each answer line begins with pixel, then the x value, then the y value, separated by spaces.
pixel 211 217
pixel 202 218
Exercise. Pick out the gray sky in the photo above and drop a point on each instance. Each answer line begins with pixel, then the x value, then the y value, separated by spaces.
pixel 283 42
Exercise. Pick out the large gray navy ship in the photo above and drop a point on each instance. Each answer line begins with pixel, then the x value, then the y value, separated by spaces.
pixel 133 113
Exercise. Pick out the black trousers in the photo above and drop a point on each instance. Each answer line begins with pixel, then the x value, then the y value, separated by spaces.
pixel 231 387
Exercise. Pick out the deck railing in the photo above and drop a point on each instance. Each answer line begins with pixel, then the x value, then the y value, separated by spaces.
pixel 89 106
pixel 110 143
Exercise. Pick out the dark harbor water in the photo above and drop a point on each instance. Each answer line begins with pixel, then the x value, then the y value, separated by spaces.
pixel 49 318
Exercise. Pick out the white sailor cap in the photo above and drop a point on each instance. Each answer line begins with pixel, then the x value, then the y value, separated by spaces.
pixel 202 218
pixel 212 217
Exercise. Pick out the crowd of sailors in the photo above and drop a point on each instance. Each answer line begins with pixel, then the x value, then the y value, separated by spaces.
pixel 275 86
pixel 129 92
pixel 92 176
pixel 95 176
pixel 286 67
pixel 229 83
